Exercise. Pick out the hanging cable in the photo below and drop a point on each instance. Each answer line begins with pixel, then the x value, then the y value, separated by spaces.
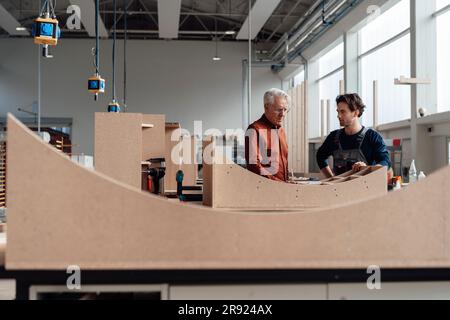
pixel 44 5
pixel 52 8
pixel 114 54
pixel 125 58
pixel 97 40
pixel 249 89
pixel 96 84
pixel 114 105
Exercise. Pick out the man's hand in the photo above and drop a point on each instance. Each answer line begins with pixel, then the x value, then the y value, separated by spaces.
pixel 358 166
pixel 327 172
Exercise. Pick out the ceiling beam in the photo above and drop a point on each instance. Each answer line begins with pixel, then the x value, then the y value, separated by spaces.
pixel 260 13
pixel 169 18
pixel 87 8
pixel 149 14
pixel 9 23
pixel 299 2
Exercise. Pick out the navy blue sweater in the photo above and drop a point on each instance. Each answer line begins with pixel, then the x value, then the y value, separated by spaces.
pixel 373 148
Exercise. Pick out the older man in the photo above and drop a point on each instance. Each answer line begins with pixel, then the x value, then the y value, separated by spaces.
pixel 266 148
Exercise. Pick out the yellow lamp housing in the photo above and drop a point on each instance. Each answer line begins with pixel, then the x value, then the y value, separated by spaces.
pixel 114 107
pixel 96 84
pixel 46 31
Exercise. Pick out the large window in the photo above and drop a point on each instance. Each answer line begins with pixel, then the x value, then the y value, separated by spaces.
pixel 299 78
pixel 384 54
pixel 331 74
pixel 386 26
pixel 394 102
pixel 443 54
pixel 332 60
pixel 329 90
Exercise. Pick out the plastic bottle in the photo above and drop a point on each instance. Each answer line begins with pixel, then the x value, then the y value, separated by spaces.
pixel 397 183
pixel 412 172
pixel 421 176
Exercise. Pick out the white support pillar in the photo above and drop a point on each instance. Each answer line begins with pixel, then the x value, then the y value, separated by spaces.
pixel 322 120
pixel 328 106
pixel 375 104
pixel 313 99
pixel 423 65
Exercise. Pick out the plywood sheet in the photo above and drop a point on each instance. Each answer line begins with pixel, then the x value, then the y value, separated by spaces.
pixel 172 139
pixel 118 146
pixel 295 124
pixel 260 193
pixel 208 177
pixel 64 214
pixel 153 139
pixel 190 167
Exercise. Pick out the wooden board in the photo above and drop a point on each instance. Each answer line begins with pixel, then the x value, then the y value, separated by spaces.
pixel 411 81
pixel 190 167
pixel 124 140
pixel 170 184
pixel 61 214
pixel 118 146
pixel 208 148
pixel 305 127
pixel 295 124
pixel 153 145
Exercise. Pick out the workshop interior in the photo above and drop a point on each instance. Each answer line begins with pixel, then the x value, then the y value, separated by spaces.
pixel 224 150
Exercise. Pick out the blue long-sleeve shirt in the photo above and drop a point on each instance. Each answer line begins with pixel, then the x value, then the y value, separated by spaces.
pixel 373 148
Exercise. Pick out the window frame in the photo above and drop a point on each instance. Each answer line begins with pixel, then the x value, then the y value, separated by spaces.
pixel 435 15
pixel 378 47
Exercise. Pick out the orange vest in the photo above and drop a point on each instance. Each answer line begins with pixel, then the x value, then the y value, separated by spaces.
pixel 266 150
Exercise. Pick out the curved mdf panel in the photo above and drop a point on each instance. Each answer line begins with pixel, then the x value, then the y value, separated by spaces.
pixel 61 214
pixel 233 187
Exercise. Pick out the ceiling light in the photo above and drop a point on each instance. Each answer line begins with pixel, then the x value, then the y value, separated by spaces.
pixel 216 58
pixel 21 29
pixel 230 32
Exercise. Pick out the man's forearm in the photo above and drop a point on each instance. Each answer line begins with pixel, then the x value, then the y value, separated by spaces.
pixel 327 172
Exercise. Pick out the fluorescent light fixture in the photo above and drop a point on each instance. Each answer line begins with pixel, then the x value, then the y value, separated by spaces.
pixel 230 32
pixel 216 58
pixel 9 23
pixel 21 29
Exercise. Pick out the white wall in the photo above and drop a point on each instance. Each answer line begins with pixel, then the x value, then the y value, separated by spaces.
pixel 437 149
pixel 175 78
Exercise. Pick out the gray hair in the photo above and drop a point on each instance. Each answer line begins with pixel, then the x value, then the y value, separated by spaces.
pixel 269 96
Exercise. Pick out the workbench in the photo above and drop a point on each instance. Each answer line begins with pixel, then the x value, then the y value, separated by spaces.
pixel 243 284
